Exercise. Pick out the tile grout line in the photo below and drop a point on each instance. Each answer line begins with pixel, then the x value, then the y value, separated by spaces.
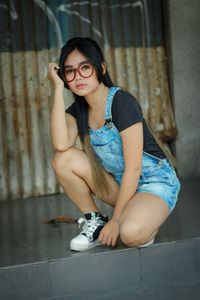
pixel 140 265
pixel 30 248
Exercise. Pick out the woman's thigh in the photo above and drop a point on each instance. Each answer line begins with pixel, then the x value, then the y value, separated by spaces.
pixel 76 161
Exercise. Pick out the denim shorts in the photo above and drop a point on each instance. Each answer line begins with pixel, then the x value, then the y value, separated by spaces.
pixel 158 177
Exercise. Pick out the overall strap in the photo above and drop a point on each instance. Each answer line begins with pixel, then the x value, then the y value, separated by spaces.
pixel 111 93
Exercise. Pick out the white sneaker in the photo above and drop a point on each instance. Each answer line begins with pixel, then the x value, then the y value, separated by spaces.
pixel 147 244
pixel 88 238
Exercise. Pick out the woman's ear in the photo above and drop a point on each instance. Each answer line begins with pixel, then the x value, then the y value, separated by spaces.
pixel 104 67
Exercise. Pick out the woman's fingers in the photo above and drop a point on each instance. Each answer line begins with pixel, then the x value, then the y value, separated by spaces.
pixel 107 240
pixel 53 74
pixel 53 67
pixel 103 239
pixel 114 241
pixel 109 233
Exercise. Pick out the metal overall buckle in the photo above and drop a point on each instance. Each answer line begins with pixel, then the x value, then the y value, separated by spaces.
pixel 109 123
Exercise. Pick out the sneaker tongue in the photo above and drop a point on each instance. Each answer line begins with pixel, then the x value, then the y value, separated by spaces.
pixel 92 215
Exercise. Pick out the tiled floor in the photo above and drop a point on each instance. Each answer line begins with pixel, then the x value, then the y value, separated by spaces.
pixel 24 238
pixel 36 263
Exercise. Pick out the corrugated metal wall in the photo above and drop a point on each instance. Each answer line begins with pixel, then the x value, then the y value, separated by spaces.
pixel 32 32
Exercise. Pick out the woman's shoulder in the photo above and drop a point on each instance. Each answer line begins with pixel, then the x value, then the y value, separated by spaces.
pixel 125 110
pixel 123 98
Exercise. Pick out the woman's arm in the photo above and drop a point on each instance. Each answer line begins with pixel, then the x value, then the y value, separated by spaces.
pixel 132 139
pixel 63 126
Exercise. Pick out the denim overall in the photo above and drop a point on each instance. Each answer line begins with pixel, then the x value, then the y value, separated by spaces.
pixel 157 176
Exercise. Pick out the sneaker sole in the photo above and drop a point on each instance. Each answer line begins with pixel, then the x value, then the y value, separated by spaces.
pixel 78 247
pixel 147 244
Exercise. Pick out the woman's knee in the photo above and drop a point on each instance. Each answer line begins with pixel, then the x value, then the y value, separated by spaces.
pixel 63 161
pixel 133 234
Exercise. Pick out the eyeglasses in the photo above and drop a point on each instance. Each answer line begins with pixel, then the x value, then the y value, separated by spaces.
pixel 85 70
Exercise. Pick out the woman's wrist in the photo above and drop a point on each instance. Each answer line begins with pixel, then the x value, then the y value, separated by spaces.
pixel 58 91
pixel 59 87
pixel 115 218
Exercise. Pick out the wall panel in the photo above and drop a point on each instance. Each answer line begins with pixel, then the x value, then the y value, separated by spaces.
pixel 32 32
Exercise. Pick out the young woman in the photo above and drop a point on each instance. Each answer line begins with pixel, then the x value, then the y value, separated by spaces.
pixel 120 163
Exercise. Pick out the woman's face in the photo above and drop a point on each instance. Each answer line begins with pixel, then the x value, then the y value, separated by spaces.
pixel 77 66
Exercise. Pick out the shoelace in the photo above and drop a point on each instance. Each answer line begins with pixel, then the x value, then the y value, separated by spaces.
pixel 89 225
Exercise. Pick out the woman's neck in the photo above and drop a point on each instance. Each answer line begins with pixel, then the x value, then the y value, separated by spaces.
pixel 97 99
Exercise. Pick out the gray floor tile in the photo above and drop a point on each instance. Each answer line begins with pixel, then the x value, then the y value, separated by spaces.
pixel 25 282
pixel 95 272
pixel 179 290
pixel 14 252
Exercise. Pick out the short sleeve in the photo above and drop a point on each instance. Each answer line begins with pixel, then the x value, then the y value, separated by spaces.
pixel 126 111
pixel 72 110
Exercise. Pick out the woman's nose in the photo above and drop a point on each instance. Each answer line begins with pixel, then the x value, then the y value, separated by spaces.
pixel 77 75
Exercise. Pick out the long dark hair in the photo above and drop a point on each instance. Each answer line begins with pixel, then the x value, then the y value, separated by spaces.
pixel 91 50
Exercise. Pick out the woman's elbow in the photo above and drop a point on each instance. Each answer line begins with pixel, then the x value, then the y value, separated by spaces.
pixel 61 147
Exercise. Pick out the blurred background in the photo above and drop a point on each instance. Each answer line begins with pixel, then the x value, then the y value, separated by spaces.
pixel 151 48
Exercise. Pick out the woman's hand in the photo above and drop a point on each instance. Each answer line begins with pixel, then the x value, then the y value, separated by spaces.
pixel 109 234
pixel 53 75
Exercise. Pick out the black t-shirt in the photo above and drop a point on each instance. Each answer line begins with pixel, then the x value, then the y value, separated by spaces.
pixel 126 111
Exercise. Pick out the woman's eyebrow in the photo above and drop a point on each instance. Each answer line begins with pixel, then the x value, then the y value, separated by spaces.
pixel 82 62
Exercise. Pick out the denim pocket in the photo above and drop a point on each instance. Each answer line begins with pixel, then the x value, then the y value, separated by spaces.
pixel 150 169
pixel 159 173
pixel 150 164
pixel 107 146
pixel 101 140
pixel 110 156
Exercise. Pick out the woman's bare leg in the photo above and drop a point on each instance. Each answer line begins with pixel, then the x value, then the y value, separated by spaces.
pixel 141 219
pixel 73 171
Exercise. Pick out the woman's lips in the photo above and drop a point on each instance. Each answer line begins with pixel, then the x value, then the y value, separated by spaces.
pixel 80 86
